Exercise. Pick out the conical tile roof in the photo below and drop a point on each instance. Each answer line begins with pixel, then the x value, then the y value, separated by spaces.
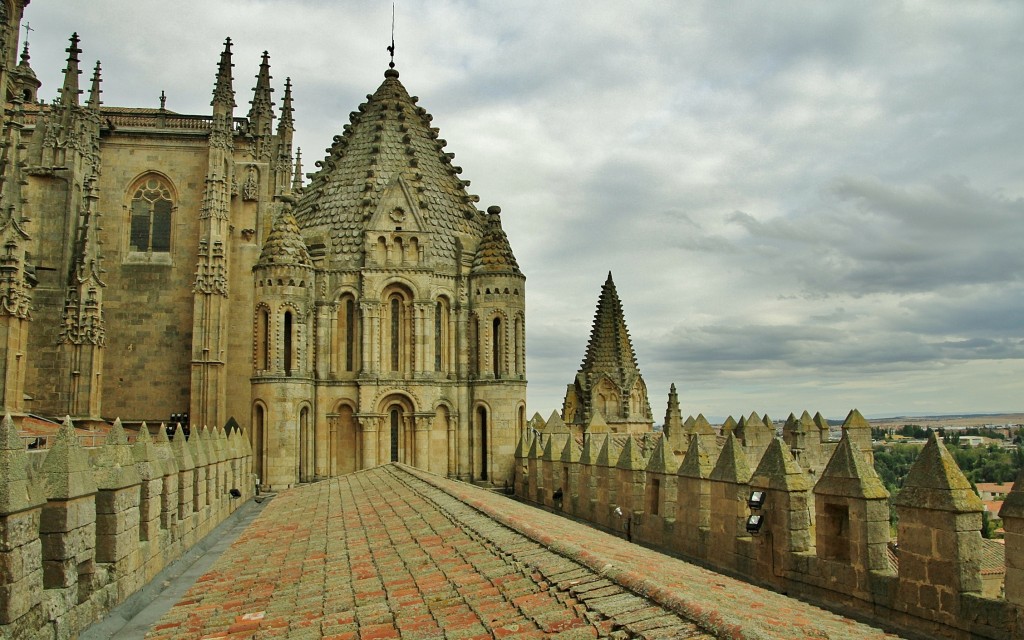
pixel 494 255
pixel 284 244
pixel 389 137
pixel 610 351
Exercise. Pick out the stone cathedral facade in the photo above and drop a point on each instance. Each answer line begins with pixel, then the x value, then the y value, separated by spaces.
pixel 157 263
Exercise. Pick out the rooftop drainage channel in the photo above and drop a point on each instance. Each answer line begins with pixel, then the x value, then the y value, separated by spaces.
pixel 132 618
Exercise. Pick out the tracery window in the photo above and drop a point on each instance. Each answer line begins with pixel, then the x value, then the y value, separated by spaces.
pixel 151 217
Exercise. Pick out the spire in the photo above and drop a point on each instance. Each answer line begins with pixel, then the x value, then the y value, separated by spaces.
pixel 285 122
pixel 94 91
pixel 223 94
pixel 69 92
pixel 673 417
pixel 297 180
pixel 494 255
pixel 262 110
pixel 610 350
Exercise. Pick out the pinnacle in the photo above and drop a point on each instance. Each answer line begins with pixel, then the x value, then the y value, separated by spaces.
pixel 610 350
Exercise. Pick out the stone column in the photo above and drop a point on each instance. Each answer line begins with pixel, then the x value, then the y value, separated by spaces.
pixel 368 427
pixel 186 484
pixel 693 502
pixel 421 429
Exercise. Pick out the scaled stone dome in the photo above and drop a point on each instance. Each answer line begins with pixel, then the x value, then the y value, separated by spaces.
pixel 389 137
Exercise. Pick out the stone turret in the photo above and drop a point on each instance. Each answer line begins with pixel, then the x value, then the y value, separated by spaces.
pixel 609 381
pixel 261 112
pixel 284 280
pixel 673 427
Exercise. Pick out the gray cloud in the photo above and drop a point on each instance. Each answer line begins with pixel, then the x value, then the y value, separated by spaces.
pixel 806 205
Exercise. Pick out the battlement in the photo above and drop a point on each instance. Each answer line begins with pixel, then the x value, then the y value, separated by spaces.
pixel 82 529
pixel 744 505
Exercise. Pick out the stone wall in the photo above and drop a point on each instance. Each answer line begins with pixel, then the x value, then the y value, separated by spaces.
pixel 822 536
pixel 82 529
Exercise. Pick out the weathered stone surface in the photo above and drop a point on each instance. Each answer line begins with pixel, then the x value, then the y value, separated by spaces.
pixel 66 468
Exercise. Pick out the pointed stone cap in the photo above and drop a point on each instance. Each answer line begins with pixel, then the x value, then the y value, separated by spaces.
pixel 216 444
pixel 537 422
pixel 523 448
pixel 182 451
pixel 66 468
pixel 732 463
pixel 592 447
pixel 697 461
pixel 494 255
pixel 792 426
pixel 822 423
pixel 222 440
pixel 702 427
pixel 169 466
pixel 779 471
pixel 728 426
pixel 689 424
pixel 1013 504
pixel 231 444
pixel 570 452
pixel 847 474
pixel 604 455
pixel 284 244
pixel 114 467
pixel 549 450
pixel 147 458
pixel 855 421
pixel 597 424
pixel 631 458
pixel 536 448
pixel 936 482
pixel 196 444
pixel 662 459
pixel 555 424
pixel 244 445
pixel 766 421
pixel 15 493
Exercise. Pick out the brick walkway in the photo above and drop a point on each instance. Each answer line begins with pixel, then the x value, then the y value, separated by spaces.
pixel 391 552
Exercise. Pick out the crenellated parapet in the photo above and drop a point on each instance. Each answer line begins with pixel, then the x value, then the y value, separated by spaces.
pixel 823 536
pixel 82 529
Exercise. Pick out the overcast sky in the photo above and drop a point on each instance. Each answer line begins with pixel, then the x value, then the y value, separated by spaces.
pixel 805 205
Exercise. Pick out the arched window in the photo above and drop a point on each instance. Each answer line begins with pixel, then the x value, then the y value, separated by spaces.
pixel 263 340
pixel 396 331
pixel 519 360
pixel 151 208
pixel 288 346
pixel 348 334
pixel 258 435
pixel 497 346
pixel 441 339
pixel 396 422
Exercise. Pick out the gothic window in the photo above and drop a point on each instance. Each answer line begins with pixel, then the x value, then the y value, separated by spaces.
pixel 151 208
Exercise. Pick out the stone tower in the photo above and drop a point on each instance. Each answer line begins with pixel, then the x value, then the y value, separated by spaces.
pixel 609 380
pixel 407 323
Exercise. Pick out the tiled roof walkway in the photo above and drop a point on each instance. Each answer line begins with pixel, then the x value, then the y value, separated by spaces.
pixel 391 552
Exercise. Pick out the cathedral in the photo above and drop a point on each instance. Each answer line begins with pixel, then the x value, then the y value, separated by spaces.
pixel 161 264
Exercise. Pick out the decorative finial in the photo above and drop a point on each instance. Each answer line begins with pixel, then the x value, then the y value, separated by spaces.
pixel 391 49
pixel 28 27
pixel 163 100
